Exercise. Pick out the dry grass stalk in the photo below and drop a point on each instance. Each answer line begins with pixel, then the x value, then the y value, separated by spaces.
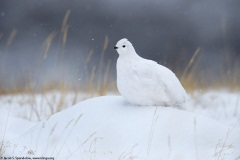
pixel 89 57
pixel 11 37
pixel 105 45
pixel 222 146
pixel 64 28
pixel 65 33
pixel 190 79
pixel 90 84
pixel 190 62
pixel 154 120
pixel 69 133
pixel 47 43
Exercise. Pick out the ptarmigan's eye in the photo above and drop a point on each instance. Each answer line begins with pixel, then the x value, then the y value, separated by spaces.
pixel 123 46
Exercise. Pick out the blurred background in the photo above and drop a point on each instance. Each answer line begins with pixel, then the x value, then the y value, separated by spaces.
pixel 46 45
pixel 57 53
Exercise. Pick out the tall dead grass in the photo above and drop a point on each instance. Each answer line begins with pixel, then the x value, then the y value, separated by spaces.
pixel 192 80
pixel 98 78
pixel 95 85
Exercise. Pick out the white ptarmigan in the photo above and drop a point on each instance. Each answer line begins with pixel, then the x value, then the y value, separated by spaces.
pixel 145 82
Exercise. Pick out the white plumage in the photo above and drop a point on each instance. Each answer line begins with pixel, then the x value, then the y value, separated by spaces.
pixel 145 82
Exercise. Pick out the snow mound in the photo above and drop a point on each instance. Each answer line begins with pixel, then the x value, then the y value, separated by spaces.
pixel 10 129
pixel 108 128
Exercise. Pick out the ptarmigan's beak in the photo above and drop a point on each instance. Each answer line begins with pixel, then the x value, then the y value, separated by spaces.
pixel 115 47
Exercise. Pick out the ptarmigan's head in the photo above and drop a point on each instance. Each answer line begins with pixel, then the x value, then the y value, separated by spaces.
pixel 123 47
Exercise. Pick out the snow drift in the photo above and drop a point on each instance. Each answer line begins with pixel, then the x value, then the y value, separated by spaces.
pixel 107 128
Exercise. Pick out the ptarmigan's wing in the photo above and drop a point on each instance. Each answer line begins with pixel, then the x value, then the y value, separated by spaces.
pixel 147 72
pixel 160 80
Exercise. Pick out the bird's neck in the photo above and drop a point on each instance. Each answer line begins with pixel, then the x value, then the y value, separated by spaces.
pixel 132 55
pixel 126 61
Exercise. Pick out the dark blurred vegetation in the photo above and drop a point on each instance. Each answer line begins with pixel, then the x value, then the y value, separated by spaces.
pixel 46 45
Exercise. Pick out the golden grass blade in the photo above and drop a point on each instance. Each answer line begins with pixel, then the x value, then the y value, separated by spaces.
pixel 105 45
pixel 64 28
pixel 11 37
pixel 65 34
pixel 190 62
pixel 65 19
pixel 90 85
pixel 89 57
pixel 47 43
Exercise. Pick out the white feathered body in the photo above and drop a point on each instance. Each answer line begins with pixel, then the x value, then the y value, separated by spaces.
pixel 144 82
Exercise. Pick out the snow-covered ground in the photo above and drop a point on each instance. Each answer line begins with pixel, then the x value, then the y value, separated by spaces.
pixel 110 128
